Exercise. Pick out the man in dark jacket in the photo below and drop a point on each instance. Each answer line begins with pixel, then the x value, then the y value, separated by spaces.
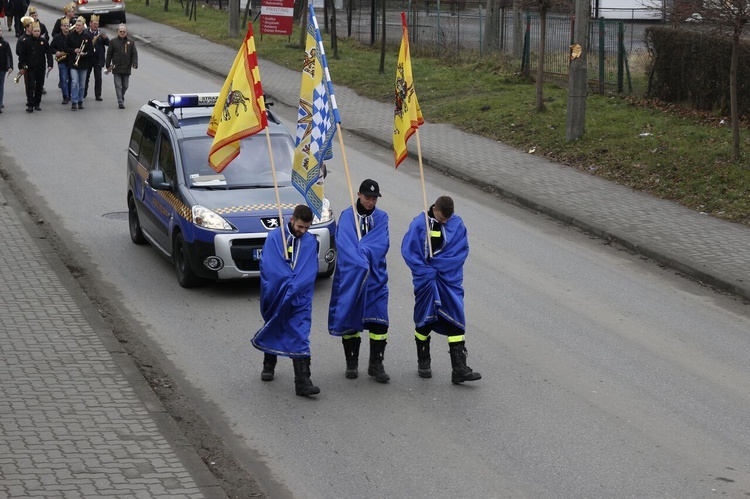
pixel 6 65
pixel 69 13
pixel 59 51
pixel 99 41
pixel 122 56
pixel 36 60
pixel 17 8
pixel 35 16
pixel 78 47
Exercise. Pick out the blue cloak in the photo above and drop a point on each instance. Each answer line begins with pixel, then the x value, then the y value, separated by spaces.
pixel 359 293
pixel 286 296
pixel 438 281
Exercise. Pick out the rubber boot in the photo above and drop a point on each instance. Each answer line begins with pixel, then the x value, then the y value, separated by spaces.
pixel 461 372
pixel 303 385
pixel 424 367
pixel 351 350
pixel 377 354
pixel 269 364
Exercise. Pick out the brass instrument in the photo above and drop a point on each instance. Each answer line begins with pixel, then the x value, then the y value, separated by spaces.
pixel 20 74
pixel 80 53
pixel 62 57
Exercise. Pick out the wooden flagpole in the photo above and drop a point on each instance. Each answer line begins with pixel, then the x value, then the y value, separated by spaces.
pixel 424 192
pixel 276 190
pixel 348 180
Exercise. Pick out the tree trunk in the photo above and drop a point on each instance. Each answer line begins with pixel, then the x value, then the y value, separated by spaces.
pixel 381 70
pixel 733 97
pixel 575 119
pixel 334 32
pixel 349 13
pixel 490 33
pixel 303 28
pixel 517 29
pixel 540 59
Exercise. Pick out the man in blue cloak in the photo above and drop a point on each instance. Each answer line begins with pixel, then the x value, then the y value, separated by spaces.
pixel 359 295
pixel 288 268
pixel 438 284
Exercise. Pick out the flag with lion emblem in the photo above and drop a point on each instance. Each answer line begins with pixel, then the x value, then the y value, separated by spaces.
pixel 407 115
pixel 240 110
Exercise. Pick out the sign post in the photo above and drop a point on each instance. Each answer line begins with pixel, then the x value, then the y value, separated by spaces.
pixel 276 17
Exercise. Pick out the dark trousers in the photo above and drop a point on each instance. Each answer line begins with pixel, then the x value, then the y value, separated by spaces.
pixel 17 25
pixel 34 86
pixel 97 70
pixel 450 328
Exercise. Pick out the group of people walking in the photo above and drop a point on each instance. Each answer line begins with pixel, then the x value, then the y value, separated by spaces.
pixel 434 248
pixel 79 52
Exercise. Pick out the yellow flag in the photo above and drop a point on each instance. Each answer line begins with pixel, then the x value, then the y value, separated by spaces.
pixel 408 115
pixel 240 110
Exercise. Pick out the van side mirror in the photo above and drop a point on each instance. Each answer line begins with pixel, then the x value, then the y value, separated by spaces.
pixel 158 181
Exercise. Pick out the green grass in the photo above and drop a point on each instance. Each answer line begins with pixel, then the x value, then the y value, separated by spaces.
pixel 666 151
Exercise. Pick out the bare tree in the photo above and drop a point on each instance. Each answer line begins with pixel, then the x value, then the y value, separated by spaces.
pixel 729 18
pixel 544 6
pixel 517 29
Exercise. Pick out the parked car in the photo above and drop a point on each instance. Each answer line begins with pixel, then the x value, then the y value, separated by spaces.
pixel 109 11
pixel 211 225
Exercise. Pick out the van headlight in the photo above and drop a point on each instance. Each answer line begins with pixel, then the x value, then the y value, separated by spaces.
pixel 325 213
pixel 203 217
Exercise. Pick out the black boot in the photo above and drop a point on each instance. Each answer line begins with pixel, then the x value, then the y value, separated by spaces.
pixel 351 350
pixel 423 358
pixel 303 385
pixel 269 364
pixel 461 372
pixel 377 354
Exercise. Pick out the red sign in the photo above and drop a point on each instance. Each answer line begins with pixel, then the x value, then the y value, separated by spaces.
pixel 276 17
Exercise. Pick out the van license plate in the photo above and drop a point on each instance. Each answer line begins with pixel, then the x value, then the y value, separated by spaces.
pixel 256 253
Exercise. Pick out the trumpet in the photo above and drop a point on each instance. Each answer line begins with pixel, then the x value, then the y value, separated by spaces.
pixel 62 57
pixel 20 74
pixel 80 53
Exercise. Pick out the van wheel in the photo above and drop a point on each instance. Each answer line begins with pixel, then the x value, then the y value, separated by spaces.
pixel 328 273
pixel 136 234
pixel 185 275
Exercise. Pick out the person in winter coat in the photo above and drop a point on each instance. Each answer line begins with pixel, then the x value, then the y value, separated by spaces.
pixel 80 54
pixel 35 60
pixel 100 42
pixel 6 65
pixel 122 57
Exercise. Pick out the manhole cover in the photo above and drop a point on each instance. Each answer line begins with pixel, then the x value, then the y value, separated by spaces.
pixel 116 215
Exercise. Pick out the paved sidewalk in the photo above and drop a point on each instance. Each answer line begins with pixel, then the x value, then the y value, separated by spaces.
pixel 77 420
pixel 708 249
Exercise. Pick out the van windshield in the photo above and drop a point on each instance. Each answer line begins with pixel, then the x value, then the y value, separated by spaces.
pixel 252 168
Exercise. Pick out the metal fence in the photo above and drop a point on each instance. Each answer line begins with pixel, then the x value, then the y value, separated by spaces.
pixel 460 29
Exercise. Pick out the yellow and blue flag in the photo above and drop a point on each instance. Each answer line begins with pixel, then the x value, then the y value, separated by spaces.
pixel 316 119
pixel 407 115
pixel 240 110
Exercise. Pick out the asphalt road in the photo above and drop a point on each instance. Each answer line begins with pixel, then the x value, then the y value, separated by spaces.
pixel 603 374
